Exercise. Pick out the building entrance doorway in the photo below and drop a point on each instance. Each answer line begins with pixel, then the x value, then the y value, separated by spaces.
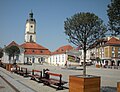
pixel 112 63
pixel 118 63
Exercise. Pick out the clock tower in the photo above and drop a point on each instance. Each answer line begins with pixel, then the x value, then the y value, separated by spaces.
pixel 30 30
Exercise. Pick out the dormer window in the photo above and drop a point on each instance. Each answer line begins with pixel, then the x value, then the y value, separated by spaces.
pixel 62 49
pixel 33 51
pixel 41 51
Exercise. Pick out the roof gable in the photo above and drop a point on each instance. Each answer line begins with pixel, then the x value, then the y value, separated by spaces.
pixel 62 49
pixel 113 41
pixel 13 43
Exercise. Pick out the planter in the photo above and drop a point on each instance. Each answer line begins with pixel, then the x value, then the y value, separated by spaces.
pixel 97 66
pixel 8 67
pixel 118 87
pixel 78 83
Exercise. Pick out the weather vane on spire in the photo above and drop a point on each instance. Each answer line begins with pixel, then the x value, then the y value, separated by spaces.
pixel 31 10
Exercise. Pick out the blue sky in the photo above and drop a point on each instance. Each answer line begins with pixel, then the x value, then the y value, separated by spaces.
pixel 50 16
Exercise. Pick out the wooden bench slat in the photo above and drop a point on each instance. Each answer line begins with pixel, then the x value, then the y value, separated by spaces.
pixel 54 74
pixel 35 75
pixel 23 68
pixel 48 79
pixel 36 70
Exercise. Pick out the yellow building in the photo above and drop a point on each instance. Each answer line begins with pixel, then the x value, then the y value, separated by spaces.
pixel 107 51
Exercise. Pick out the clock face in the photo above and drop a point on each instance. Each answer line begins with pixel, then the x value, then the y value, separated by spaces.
pixel 32 28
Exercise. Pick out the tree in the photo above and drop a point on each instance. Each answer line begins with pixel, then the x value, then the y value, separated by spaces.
pixel 83 29
pixel 98 59
pixel 1 52
pixel 12 51
pixel 113 13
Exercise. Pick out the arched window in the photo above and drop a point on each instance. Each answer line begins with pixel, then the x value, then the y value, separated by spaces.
pixel 17 57
pixel 42 59
pixel 31 39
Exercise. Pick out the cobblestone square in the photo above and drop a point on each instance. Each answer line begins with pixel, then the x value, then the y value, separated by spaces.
pixel 109 78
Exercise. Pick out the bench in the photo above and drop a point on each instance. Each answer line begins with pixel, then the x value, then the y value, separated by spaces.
pixel 36 75
pixel 54 79
pixel 2 65
pixel 16 70
pixel 44 72
pixel 24 72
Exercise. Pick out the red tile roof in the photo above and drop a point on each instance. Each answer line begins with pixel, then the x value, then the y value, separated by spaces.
pixel 13 43
pixel 113 41
pixel 32 45
pixel 62 49
pixel 34 48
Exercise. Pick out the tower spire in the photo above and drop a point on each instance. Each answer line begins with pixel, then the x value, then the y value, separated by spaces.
pixel 31 14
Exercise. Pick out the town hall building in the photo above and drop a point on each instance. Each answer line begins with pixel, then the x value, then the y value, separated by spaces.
pixel 33 51
pixel 30 51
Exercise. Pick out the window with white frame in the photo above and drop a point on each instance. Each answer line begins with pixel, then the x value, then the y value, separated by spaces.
pixel 53 58
pixel 59 58
pixel 56 58
pixel 118 52
pixel 62 58
pixel 102 49
pixel 50 59
pixel 42 59
pixel 113 53
pixel 113 48
pixel 118 49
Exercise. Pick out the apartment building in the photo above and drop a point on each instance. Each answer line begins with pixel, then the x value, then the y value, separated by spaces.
pixel 106 51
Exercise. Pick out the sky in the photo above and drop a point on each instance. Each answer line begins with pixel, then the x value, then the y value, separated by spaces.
pixel 49 15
